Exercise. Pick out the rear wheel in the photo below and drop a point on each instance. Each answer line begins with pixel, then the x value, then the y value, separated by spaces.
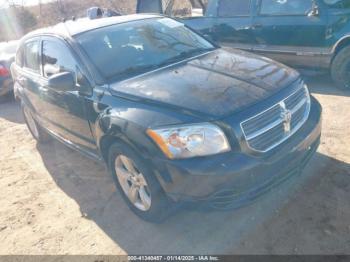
pixel 340 70
pixel 137 184
pixel 37 132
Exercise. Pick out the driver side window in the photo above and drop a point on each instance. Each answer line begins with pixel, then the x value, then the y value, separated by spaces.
pixel 57 58
pixel 285 7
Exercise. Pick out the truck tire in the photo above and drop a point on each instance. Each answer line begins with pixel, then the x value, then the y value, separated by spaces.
pixel 131 172
pixel 340 69
pixel 39 134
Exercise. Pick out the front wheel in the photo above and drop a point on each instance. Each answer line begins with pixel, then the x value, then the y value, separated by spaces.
pixel 136 182
pixel 37 132
pixel 340 70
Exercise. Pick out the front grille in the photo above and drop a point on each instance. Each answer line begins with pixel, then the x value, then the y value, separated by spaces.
pixel 275 125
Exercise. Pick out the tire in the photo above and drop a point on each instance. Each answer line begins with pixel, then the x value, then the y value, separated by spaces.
pixel 159 206
pixel 340 69
pixel 39 134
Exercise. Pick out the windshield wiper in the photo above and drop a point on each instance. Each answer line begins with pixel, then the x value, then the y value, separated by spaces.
pixel 196 51
pixel 185 55
pixel 134 69
pixel 145 68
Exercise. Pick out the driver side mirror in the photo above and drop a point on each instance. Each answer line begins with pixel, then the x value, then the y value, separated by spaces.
pixel 62 82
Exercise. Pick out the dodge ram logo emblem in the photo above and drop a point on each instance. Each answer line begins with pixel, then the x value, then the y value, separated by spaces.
pixel 286 116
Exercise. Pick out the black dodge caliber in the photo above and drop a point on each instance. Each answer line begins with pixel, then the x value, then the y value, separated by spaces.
pixel 176 118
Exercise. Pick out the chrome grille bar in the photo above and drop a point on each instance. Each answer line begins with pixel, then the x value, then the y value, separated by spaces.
pixel 268 129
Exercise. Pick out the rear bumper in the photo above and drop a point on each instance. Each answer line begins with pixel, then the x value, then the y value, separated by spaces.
pixel 229 180
pixel 6 86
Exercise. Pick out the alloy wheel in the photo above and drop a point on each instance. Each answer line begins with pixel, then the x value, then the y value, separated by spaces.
pixel 133 183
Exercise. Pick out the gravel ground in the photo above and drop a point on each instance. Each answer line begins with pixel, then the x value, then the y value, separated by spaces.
pixel 54 201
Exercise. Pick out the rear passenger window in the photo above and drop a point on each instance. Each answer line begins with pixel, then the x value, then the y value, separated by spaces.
pixel 229 8
pixel 31 56
pixel 285 7
pixel 57 58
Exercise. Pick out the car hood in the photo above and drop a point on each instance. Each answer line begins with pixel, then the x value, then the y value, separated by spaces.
pixel 216 84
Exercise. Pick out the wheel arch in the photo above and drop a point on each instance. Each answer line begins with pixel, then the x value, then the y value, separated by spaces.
pixel 343 42
pixel 116 134
pixel 107 140
pixel 111 126
pixel 142 145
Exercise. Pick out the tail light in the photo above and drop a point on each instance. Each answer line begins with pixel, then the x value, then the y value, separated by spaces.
pixel 4 71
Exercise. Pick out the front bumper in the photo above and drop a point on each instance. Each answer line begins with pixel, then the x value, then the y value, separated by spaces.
pixel 231 179
pixel 6 86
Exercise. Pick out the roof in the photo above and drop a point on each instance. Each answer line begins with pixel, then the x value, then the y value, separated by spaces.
pixel 71 28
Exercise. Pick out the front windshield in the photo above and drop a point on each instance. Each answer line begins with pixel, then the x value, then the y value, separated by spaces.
pixel 125 49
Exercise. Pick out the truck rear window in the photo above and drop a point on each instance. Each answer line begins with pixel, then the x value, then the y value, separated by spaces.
pixel 230 8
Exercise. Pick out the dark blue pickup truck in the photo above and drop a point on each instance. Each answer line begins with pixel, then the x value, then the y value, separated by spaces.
pixel 311 34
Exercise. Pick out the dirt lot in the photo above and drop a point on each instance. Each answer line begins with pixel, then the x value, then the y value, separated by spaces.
pixel 54 201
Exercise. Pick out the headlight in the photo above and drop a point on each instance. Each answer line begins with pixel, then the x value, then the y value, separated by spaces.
pixel 190 140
